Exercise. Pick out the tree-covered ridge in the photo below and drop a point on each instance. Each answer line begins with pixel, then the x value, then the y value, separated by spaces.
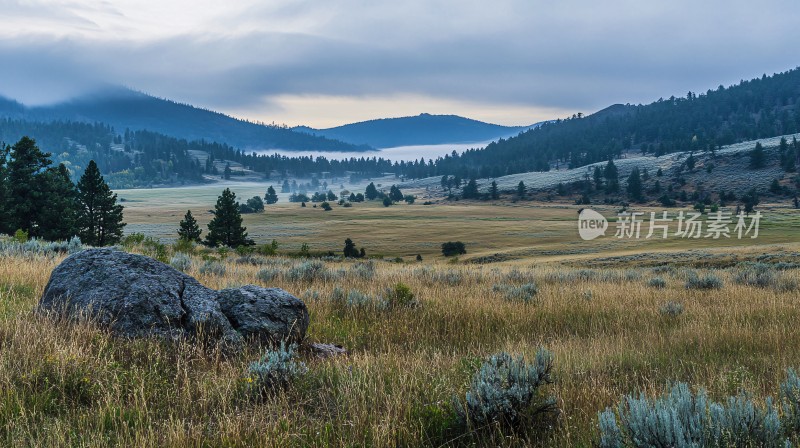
pixel 127 109
pixel 762 107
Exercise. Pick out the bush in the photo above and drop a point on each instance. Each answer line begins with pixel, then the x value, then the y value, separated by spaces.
pixel 657 282
pixel 364 271
pixel 682 419
pixel 267 275
pixel 790 400
pixel 708 281
pixel 20 236
pixel 671 309
pixel 451 248
pixel 756 274
pixel 399 296
pixel 308 272
pixel 326 206
pixel 181 262
pixel 524 293
pixel 275 370
pixel 506 389
pixel 213 267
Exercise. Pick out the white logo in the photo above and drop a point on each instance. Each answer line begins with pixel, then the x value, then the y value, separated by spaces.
pixel 591 224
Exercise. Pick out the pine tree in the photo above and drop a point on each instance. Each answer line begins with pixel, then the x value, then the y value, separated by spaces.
pixel 521 189
pixel 635 185
pixel 757 157
pixel 371 192
pixel 225 227
pixel 493 191
pixel 60 208
pixel 611 176
pixel 470 190
pixel 4 213
pixel 99 218
pixel 285 188
pixel 25 189
pixel 350 250
pixel 271 197
pixel 189 230
pixel 227 173
pixel 395 194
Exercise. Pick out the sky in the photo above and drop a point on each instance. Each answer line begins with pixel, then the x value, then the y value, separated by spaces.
pixel 324 63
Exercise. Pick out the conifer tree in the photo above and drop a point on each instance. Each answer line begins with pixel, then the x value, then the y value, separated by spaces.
pixel 521 189
pixel 635 185
pixel 60 208
pixel 470 190
pixel 189 230
pixel 226 227
pixel 271 197
pixel 757 157
pixel 99 216
pixel 25 189
pixel 371 192
pixel 493 191
pixel 612 177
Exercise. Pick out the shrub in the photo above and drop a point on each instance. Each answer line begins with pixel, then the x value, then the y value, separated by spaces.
pixel 267 275
pixel 683 419
pixel 275 370
pixel 20 236
pixel 308 272
pixel 507 388
pixel 790 400
pixel 671 309
pixel 364 271
pixel 524 293
pixel 326 206
pixel 708 281
pixel 213 267
pixel 358 299
pixel 182 245
pixel 657 282
pixel 181 262
pixel 451 248
pixel 399 296
pixel 756 274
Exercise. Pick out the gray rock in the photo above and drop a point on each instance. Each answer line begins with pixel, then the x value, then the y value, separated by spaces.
pixel 321 350
pixel 264 314
pixel 134 296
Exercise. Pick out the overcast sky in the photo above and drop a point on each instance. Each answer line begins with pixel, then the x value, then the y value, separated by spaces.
pixel 330 62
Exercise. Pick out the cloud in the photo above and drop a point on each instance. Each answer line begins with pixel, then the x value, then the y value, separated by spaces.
pixel 569 55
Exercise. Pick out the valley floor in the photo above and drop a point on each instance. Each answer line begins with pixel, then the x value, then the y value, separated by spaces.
pixel 602 308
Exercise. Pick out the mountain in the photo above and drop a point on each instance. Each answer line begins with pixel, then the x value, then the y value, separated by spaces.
pixel 423 129
pixel 763 107
pixel 125 109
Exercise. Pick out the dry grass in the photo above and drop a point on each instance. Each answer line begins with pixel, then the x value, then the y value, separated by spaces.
pixel 66 384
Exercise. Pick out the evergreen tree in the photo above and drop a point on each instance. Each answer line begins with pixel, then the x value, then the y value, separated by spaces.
pixel 4 213
pixel 59 212
pixel 227 173
pixel 189 230
pixel 99 216
pixel 598 178
pixel 750 200
pixel 285 188
pixel 25 191
pixel 386 201
pixel 493 192
pixel 371 192
pixel 350 250
pixel 225 228
pixel 691 162
pixel 470 190
pixel 395 194
pixel 611 176
pixel 757 157
pixel 521 189
pixel 635 185
pixel 271 197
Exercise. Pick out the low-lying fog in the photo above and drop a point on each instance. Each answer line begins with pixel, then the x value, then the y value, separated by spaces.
pixel 398 153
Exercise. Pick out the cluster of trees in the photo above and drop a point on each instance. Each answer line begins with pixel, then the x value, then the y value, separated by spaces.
pixel 224 229
pixel 452 248
pixel 394 195
pixel 351 251
pixel 41 199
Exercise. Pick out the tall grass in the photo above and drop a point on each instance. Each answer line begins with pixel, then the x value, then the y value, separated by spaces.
pixel 74 385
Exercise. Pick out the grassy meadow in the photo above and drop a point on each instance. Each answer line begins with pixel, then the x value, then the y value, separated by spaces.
pixel 619 317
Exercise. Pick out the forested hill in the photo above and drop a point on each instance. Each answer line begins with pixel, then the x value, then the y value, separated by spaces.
pixel 423 129
pixel 126 109
pixel 759 108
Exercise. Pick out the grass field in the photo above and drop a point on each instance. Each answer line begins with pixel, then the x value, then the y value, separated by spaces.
pixel 595 309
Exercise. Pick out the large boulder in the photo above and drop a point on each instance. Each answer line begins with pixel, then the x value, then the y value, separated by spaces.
pixel 135 296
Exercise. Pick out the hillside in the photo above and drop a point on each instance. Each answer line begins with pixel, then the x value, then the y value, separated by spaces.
pixel 125 109
pixel 760 108
pixel 423 129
